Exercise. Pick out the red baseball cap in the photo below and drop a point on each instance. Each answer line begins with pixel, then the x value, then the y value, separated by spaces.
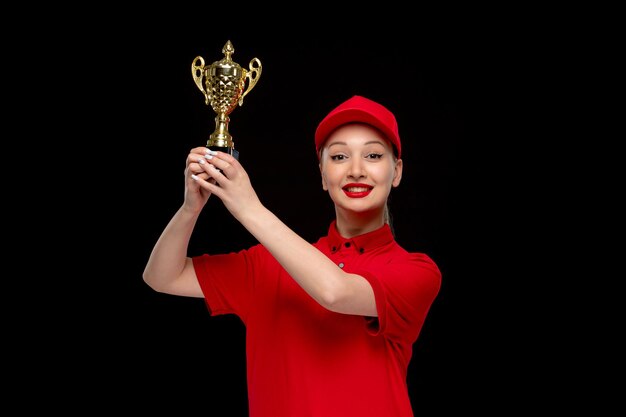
pixel 359 109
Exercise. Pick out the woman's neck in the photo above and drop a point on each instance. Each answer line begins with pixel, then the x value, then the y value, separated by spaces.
pixel 350 225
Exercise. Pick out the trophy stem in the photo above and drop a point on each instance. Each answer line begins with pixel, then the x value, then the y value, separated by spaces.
pixel 220 138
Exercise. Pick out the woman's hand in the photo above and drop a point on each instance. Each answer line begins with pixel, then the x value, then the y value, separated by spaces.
pixel 195 195
pixel 229 181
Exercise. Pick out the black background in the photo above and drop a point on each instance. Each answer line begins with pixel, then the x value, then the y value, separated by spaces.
pixel 138 113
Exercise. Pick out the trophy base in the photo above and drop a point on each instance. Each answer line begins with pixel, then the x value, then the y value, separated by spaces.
pixel 231 151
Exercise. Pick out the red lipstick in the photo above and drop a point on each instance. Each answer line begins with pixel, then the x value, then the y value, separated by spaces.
pixel 357 190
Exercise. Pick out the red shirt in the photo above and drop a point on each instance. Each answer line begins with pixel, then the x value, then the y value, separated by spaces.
pixel 306 361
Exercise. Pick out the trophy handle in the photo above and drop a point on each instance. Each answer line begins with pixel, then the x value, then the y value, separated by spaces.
pixel 252 76
pixel 197 71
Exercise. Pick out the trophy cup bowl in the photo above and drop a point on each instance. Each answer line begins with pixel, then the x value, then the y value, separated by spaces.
pixel 224 84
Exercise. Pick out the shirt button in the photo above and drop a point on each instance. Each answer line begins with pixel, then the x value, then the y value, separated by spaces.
pixel 341 265
pixel 361 250
pixel 347 244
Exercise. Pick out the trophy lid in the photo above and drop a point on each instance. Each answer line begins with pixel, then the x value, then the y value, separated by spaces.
pixel 226 65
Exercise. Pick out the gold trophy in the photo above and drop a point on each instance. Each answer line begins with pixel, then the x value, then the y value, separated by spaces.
pixel 224 85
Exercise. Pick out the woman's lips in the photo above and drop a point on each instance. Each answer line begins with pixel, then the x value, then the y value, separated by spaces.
pixel 357 190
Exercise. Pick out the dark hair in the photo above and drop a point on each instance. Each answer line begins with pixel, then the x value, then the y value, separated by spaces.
pixel 387 217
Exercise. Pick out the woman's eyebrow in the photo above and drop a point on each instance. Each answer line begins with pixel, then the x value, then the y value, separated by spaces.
pixel 380 142
pixel 337 143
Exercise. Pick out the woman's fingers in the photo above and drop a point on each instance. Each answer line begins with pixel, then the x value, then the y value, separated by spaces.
pixel 197 158
pixel 224 162
pixel 214 167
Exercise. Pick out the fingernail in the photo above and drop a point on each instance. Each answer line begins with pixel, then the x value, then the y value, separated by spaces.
pixel 201 161
pixel 194 177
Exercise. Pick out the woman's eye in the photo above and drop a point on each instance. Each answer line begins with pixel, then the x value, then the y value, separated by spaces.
pixel 337 157
pixel 375 155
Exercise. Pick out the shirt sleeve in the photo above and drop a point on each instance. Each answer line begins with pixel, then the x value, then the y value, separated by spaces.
pixel 404 291
pixel 227 281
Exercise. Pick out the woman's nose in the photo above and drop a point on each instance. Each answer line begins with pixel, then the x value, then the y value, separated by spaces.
pixel 356 169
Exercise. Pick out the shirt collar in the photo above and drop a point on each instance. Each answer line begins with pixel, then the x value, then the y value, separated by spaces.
pixel 361 243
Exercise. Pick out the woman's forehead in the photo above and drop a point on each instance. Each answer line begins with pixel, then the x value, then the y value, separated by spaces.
pixel 356 133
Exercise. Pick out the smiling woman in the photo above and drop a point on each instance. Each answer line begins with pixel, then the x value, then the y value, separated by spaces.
pixel 383 130
pixel 330 325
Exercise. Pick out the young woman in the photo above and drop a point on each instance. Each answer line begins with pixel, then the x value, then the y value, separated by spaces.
pixel 329 325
